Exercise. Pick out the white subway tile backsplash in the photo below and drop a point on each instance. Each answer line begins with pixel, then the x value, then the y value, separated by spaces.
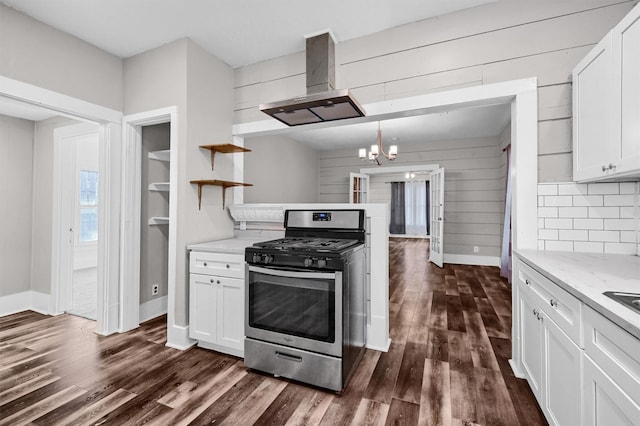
pixel 558 200
pixel 573 212
pixel 552 223
pixel 620 224
pixel 604 188
pixel 604 212
pixel 572 188
pixel 573 235
pixel 588 247
pixel 627 212
pixel 628 188
pixel 558 245
pixel 589 218
pixel 597 224
pixel 547 212
pixel 628 236
pixel 605 236
pixel 619 200
pixel 588 200
pixel 620 248
pixel 547 234
pixel 548 189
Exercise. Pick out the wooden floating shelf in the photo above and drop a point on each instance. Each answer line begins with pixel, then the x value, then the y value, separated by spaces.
pixel 215 182
pixel 225 148
pixel 163 155
pixel 156 220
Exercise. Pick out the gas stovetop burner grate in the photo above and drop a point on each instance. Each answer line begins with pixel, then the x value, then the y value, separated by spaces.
pixel 307 244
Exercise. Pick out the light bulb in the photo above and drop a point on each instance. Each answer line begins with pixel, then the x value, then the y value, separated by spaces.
pixel 374 150
pixel 362 153
pixel 393 150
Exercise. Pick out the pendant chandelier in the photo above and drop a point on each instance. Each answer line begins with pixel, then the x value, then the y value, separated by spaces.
pixel 377 149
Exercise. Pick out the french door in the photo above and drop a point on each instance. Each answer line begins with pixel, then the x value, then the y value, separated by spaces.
pixel 358 188
pixel 436 216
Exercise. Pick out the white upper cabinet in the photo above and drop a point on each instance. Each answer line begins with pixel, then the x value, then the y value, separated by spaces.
pixel 606 106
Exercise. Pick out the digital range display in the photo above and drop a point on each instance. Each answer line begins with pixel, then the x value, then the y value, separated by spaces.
pixel 322 217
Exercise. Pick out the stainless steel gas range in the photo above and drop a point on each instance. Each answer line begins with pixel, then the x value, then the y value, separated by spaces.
pixel 305 299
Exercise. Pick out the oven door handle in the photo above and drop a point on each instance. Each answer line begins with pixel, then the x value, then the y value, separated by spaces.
pixel 292 274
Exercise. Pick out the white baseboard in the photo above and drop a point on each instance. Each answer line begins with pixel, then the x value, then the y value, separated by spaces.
pixel 153 309
pixel 516 371
pixel 178 337
pixel 466 259
pixel 24 301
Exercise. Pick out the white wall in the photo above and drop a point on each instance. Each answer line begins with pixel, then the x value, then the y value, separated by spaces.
pixel 16 171
pixel 500 41
pixel 35 53
pixel 201 87
pixel 281 171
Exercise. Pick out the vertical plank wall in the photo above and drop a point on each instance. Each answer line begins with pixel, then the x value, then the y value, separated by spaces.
pixel 500 41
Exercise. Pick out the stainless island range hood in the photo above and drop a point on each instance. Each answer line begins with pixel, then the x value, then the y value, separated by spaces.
pixel 322 102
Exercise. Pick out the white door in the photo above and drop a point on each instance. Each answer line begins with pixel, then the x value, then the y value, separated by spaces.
pixel 436 216
pixel 358 188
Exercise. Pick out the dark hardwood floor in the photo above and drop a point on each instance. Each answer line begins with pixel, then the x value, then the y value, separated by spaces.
pixel 447 365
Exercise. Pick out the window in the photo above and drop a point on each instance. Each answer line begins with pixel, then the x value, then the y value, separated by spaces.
pixel 88 206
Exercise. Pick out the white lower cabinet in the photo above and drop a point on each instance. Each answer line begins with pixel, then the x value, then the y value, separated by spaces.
pixel 604 402
pixel 582 368
pixel 551 363
pixel 216 306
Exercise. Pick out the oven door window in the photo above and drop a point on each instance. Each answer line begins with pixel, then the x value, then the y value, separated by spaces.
pixel 303 307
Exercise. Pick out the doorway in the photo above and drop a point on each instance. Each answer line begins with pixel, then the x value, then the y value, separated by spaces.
pixel 76 164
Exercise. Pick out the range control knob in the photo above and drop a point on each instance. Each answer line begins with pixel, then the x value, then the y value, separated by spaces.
pixel 267 258
pixel 308 262
pixel 322 263
pixel 256 258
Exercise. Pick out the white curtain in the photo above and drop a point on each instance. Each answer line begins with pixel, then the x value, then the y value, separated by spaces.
pixel 415 208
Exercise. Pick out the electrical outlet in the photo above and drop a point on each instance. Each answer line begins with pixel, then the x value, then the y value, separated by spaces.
pixel 155 289
pixel 476 249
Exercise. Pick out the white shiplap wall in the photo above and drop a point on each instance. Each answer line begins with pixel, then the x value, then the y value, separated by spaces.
pixel 500 41
pixel 474 187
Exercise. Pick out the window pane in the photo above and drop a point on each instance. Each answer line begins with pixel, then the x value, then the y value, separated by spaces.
pixel 88 224
pixel 88 188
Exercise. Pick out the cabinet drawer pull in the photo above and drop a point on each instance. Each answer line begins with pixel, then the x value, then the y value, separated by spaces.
pixel 288 357
pixel 612 166
pixel 553 303
pixel 204 263
pixel 211 280
pixel 227 266
pixel 605 168
pixel 527 282
pixel 218 282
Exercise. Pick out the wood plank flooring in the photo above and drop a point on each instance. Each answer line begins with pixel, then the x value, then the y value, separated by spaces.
pixel 447 365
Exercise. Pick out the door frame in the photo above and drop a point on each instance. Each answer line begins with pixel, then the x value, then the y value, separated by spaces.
pixel 131 214
pixel 109 122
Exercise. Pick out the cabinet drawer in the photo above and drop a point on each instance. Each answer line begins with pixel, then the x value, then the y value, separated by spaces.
pixel 564 309
pixel 224 265
pixel 614 350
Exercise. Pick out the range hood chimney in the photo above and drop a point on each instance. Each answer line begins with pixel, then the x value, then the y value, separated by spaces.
pixel 322 102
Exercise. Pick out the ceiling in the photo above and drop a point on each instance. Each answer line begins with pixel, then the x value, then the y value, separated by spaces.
pixel 239 32
pixel 486 121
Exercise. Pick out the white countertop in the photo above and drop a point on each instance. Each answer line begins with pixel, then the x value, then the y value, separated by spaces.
pixel 229 246
pixel 587 276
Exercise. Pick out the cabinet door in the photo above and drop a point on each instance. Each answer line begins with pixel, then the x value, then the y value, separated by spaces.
pixel 604 402
pixel 532 341
pixel 230 312
pixel 562 376
pixel 626 45
pixel 593 148
pixel 202 307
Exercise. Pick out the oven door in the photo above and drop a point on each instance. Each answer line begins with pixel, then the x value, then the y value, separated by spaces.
pixel 300 309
